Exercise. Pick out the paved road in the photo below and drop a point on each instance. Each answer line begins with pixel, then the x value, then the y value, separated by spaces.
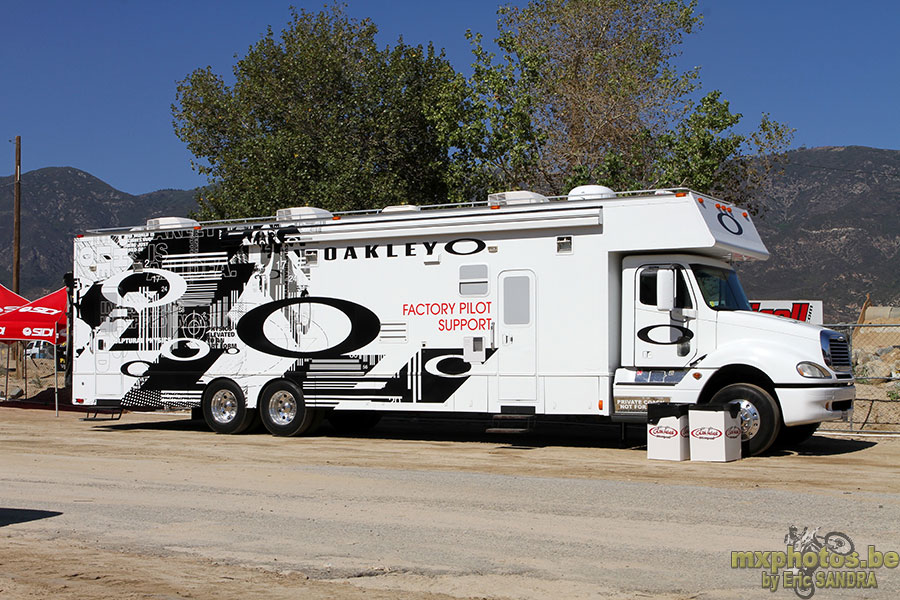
pixel 445 510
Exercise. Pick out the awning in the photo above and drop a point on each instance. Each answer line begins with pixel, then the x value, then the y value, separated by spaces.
pixel 9 300
pixel 43 319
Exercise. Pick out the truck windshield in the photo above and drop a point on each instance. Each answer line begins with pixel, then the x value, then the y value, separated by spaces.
pixel 720 288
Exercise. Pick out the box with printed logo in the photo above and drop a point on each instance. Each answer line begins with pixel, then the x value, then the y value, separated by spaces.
pixel 667 431
pixel 715 432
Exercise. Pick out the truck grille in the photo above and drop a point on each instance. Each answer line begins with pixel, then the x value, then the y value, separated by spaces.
pixel 837 352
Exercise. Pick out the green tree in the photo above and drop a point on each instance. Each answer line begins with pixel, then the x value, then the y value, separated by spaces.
pixel 584 91
pixel 321 115
pixel 596 98
pixel 703 152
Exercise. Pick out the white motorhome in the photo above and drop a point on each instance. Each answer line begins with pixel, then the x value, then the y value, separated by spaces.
pixel 591 305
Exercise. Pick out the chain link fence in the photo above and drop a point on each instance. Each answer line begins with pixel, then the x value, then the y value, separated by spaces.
pixel 876 365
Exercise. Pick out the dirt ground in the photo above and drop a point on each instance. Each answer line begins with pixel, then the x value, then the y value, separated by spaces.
pixel 155 506
pixel 36 375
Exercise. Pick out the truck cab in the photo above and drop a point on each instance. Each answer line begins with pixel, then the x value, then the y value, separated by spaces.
pixel 689 335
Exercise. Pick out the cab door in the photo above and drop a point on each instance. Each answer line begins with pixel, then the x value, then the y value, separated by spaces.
pixel 663 338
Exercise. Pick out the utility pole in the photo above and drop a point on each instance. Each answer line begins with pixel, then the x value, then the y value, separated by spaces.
pixel 17 241
pixel 17 213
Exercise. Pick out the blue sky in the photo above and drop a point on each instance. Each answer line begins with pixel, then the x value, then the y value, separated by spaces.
pixel 89 84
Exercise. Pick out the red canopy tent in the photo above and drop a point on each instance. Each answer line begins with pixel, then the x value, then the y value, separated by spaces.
pixel 43 319
pixel 10 300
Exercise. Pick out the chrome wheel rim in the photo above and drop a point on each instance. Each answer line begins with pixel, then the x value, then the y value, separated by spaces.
pixel 282 408
pixel 750 419
pixel 224 407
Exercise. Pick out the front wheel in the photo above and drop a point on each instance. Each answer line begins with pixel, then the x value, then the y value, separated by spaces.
pixel 283 411
pixel 760 415
pixel 808 591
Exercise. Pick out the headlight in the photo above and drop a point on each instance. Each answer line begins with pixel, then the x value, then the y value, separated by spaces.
pixel 808 369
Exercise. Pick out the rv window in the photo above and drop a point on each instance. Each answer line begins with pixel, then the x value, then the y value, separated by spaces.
pixel 516 301
pixel 473 288
pixel 473 280
pixel 647 289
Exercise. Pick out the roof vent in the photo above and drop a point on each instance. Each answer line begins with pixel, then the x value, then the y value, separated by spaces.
pixel 171 223
pixel 400 208
pixel 590 192
pixel 517 197
pixel 300 213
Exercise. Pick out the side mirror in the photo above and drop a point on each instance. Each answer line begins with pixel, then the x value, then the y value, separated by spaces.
pixel 665 288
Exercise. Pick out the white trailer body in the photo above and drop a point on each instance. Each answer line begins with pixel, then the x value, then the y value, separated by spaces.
pixel 593 304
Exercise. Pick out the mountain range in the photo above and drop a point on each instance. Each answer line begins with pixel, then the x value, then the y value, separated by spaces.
pixel 59 203
pixel 830 220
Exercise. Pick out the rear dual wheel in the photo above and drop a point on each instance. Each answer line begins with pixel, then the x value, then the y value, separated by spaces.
pixel 225 408
pixel 284 412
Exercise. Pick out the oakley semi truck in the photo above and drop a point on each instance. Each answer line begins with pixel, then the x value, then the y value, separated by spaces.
pixel 588 305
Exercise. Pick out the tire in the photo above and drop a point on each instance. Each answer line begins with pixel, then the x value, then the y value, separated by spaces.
pixel 318 419
pixel 283 411
pixel 839 543
pixel 353 421
pixel 790 437
pixel 806 592
pixel 224 407
pixel 760 415
pixel 255 422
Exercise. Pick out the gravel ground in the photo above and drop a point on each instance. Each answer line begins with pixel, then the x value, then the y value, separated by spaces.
pixel 156 506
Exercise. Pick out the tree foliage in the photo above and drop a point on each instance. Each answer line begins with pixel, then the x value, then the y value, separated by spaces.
pixel 320 115
pixel 583 91
pixel 606 104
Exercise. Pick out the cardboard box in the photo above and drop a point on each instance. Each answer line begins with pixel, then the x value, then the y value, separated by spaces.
pixel 715 432
pixel 667 431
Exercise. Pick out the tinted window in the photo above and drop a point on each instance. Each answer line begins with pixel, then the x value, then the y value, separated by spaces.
pixel 721 288
pixel 647 289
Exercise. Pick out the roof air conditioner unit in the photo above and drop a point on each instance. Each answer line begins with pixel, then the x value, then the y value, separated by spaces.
pixel 300 213
pixel 171 223
pixel 517 197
